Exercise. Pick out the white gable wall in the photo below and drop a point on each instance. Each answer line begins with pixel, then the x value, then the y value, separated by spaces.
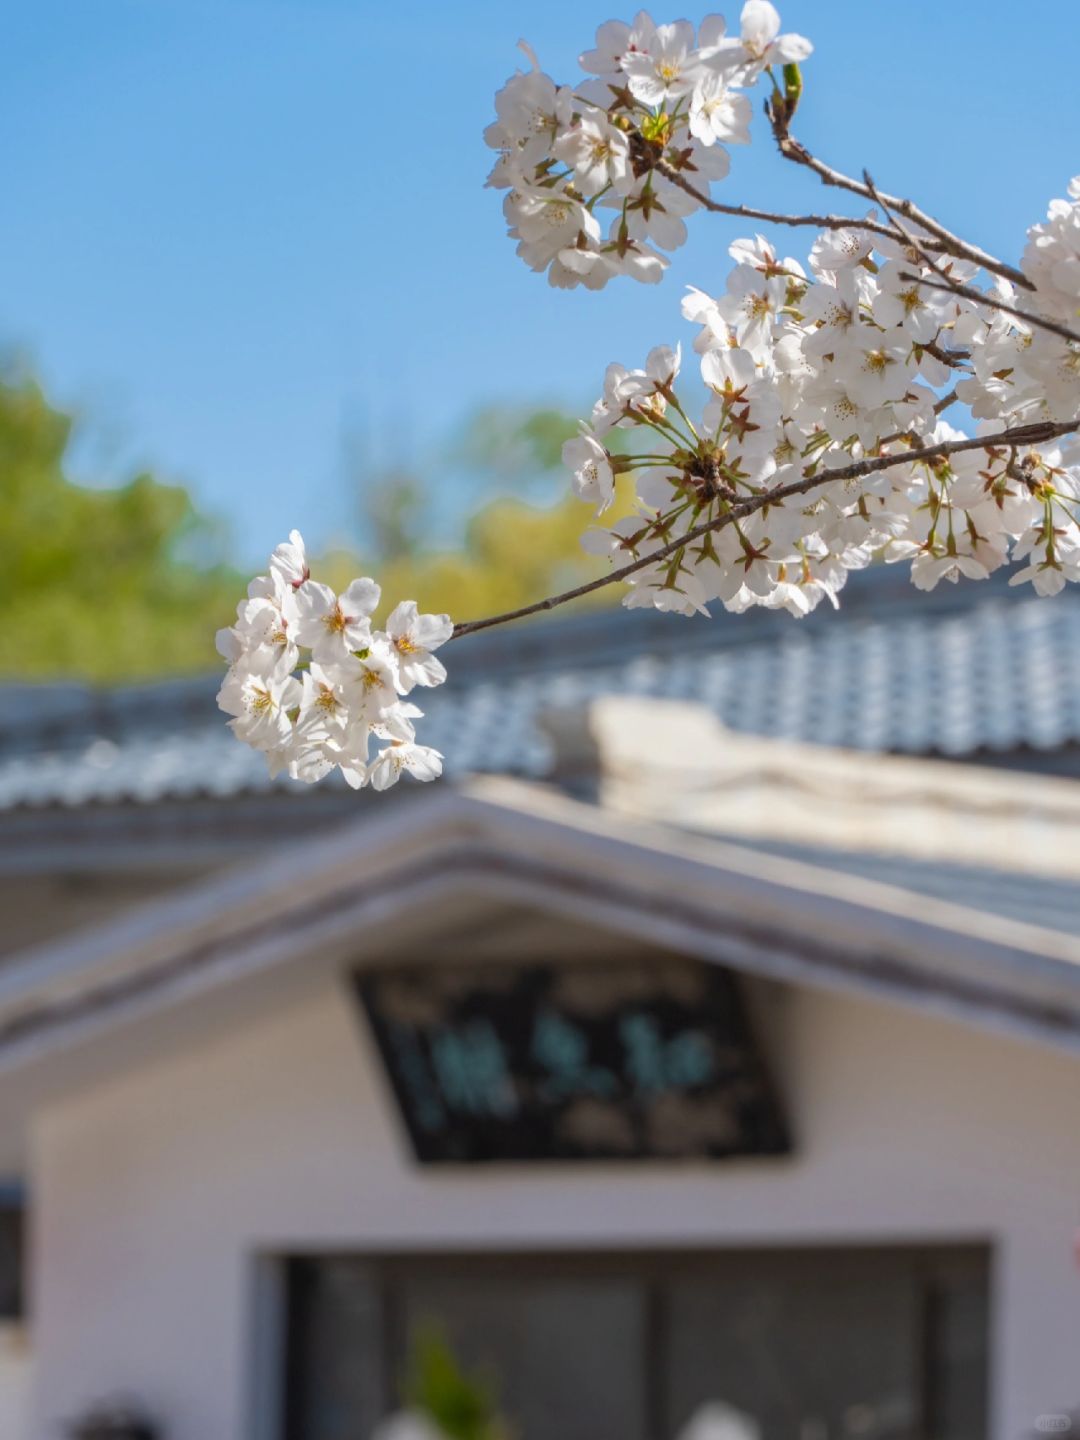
pixel 153 1193
pixel 15 1372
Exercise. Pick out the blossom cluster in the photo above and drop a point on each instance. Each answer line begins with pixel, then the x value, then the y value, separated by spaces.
pixel 1052 257
pixel 809 370
pixel 589 167
pixel 312 685
pixel 822 444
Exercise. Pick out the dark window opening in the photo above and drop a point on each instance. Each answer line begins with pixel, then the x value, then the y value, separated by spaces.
pixel 818 1344
pixel 11 1255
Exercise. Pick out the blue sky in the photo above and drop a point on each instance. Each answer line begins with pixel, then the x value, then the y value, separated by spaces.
pixel 245 236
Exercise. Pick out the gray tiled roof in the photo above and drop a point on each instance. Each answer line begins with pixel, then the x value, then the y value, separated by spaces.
pixel 998 673
pixel 1052 902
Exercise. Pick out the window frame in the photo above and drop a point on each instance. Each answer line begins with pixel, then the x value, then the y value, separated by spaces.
pixel 654 1269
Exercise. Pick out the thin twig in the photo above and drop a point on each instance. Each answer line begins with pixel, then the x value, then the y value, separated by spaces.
pixel 950 282
pixel 796 151
pixel 954 287
pixel 1037 434
pixel 909 239
pixel 747 212
pixel 952 358
pixel 945 401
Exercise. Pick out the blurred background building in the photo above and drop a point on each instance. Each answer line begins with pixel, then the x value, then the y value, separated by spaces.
pixel 708 1037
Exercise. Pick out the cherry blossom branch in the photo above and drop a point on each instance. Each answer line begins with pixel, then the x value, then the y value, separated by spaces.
pixel 796 370
pixel 795 151
pixel 953 358
pixel 748 212
pixel 945 401
pixel 952 286
pixel 909 239
pixel 979 297
pixel 1037 434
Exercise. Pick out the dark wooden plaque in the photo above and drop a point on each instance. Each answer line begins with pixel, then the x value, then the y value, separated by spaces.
pixel 572 1061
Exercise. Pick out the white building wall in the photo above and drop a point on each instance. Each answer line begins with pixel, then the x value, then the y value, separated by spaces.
pixel 15 1372
pixel 154 1193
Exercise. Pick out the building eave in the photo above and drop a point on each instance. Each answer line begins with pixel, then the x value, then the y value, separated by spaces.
pixel 500 841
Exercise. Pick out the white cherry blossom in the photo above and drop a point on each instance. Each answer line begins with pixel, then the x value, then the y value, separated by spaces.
pixel 654 210
pixel 668 70
pixel 335 626
pixel 316 712
pixel 259 698
pixel 1051 260
pixel 590 464
pixel 836 250
pixel 528 110
pixel 597 153
pixel 413 637
pixel 289 561
pixel 719 112
pixel 901 301
pixel 761 41
pixel 547 223
pixel 872 368
pixel 370 682
pixel 401 757
pixel 616 40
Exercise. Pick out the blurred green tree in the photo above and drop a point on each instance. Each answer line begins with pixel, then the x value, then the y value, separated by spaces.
pixel 512 549
pixel 511 553
pixel 115 584
pixel 507 443
pixel 97 583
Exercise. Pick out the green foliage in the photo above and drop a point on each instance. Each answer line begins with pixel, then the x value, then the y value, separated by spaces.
pixel 99 584
pixel 512 444
pixel 461 1406
pixel 93 583
pixel 512 553
pixel 393 508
